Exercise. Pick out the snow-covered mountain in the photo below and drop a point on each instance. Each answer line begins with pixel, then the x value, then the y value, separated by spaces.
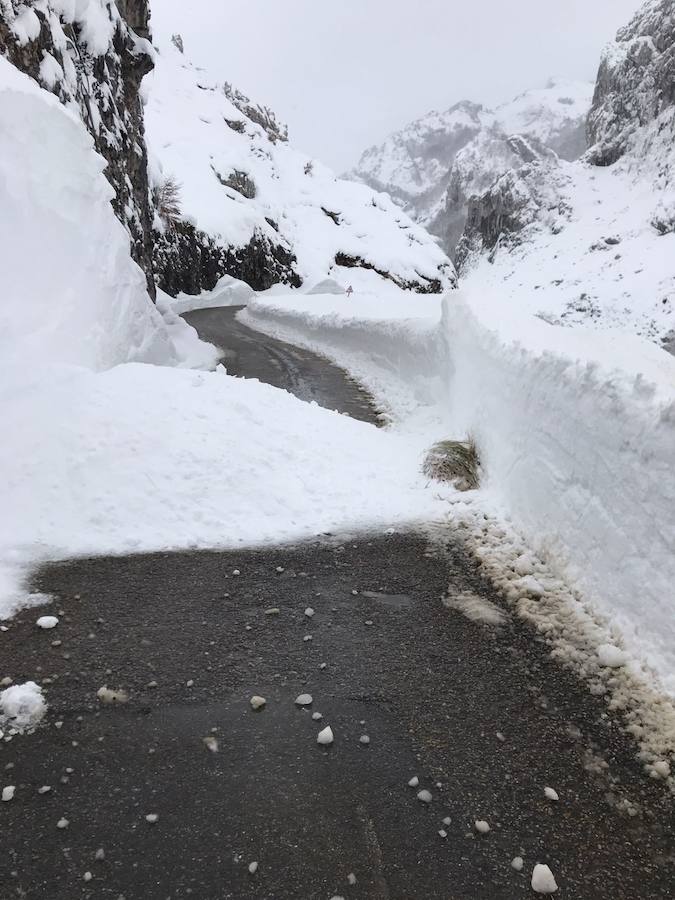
pixel 245 187
pixel 594 241
pixel 433 165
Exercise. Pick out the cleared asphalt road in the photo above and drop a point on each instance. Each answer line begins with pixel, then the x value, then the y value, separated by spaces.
pixel 480 715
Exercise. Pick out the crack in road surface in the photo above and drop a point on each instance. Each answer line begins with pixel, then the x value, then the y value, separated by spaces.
pixel 479 713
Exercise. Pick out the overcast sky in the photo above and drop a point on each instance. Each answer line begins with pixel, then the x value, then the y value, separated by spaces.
pixel 344 73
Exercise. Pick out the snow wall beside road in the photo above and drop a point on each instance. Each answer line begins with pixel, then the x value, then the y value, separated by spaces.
pixel 576 431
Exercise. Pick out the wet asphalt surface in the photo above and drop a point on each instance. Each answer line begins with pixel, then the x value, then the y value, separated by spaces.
pixel 480 714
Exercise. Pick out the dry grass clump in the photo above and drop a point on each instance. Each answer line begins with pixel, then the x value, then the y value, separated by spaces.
pixel 454 461
pixel 167 201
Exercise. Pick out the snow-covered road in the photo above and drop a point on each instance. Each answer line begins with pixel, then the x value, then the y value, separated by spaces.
pixel 184 788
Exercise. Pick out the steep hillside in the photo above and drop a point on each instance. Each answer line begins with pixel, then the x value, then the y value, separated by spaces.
pixel 432 166
pixel 270 212
pixel 593 242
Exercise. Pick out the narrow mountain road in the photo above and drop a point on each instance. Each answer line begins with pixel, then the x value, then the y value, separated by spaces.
pixel 479 714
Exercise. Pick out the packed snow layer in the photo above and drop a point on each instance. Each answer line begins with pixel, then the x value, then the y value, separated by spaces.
pixel 237 178
pixel 71 292
pixel 150 458
pixel 575 429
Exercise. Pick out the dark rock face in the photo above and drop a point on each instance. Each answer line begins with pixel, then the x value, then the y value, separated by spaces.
pixel 105 88
pixel 636 81
pixel 188 260
pixel 422 286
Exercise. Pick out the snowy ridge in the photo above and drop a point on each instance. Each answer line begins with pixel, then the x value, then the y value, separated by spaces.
pixel 433 165
pixel 561 419
pixel 237 182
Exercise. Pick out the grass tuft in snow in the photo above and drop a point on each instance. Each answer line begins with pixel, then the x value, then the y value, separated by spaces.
pixel 454 461
pixel 166 196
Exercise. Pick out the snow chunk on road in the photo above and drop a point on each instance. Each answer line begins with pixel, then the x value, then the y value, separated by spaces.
pixel 517 863
pixel 612 657
pixel 414 782
pixel 304 700
pixel 325 737
pixel 47 622
pixel 8 793
pixel 481 826
pixel 424 796
pixel 257 702
pixel 22 706
pixel 551 794
pixel 543 881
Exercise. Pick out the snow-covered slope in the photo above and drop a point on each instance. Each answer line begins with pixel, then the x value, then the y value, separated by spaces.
pixel 433 165
pixel 242 182
pixel 592 242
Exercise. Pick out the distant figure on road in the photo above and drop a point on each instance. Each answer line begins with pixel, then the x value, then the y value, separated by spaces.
pixel 350 291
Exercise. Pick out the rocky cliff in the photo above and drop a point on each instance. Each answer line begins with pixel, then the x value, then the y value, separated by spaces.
pixel 93 56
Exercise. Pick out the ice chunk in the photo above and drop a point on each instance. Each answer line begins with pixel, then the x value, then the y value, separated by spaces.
pixel 47 622
pixel 543 881
pixel 22 705
pixel 611 657
pixel 325 737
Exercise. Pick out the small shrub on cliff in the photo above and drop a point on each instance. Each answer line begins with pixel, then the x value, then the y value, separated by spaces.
pixel 167 201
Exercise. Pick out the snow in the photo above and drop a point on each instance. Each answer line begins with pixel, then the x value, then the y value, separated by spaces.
pixel 517 863
pixel 227 292
pixel 304 700
pixel 22 706
pixel 325 737
pixel 611 656
pixel 47 622
pixel 414 782
pixel 253 867
pixel 543 881
pixel 551 794
pixel 561 416
pixel 257 702
pixel 8 793
pixel 186 120
pixel 481 826
pixel 424 796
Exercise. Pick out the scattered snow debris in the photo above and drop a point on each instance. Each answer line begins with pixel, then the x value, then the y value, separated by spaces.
pixel 87 876
pixel 249 628
pixel 152 818
pixel 253 867
pixel 355 592
pixel 152 684
pixel 190 683
pixel 211 743
pixel 280 569
pixel 551 794
pixel 257 702
pixel 447 820
pixel 99 855
pixel 500 736
pixel 107 695
pixel 272 611
pixel 390 531
pixel 22 706
pixel 517 863
pixel 369 622
pixel 661 768
pixel 6 681
pixel 611 657
pixel 309 612
pixel 236 572
pixel 439 785
pixel 317 716
pixel 424 796
pixel 307 637
pixel 414 782
pixel 45 789
pixel 62 823
pixel 322 665
pixel 351 878
pixel 530 585
pixel 325 737
pixel 443 833
pixel 8 793
pixel 481 826
pixel 304 700
pixel 364 739
pixel 47 622
pixel 543 881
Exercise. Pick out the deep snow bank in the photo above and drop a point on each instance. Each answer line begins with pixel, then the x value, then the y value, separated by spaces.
pixel 576 432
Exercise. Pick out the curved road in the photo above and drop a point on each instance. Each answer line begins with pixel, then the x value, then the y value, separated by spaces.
pixel 481 715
